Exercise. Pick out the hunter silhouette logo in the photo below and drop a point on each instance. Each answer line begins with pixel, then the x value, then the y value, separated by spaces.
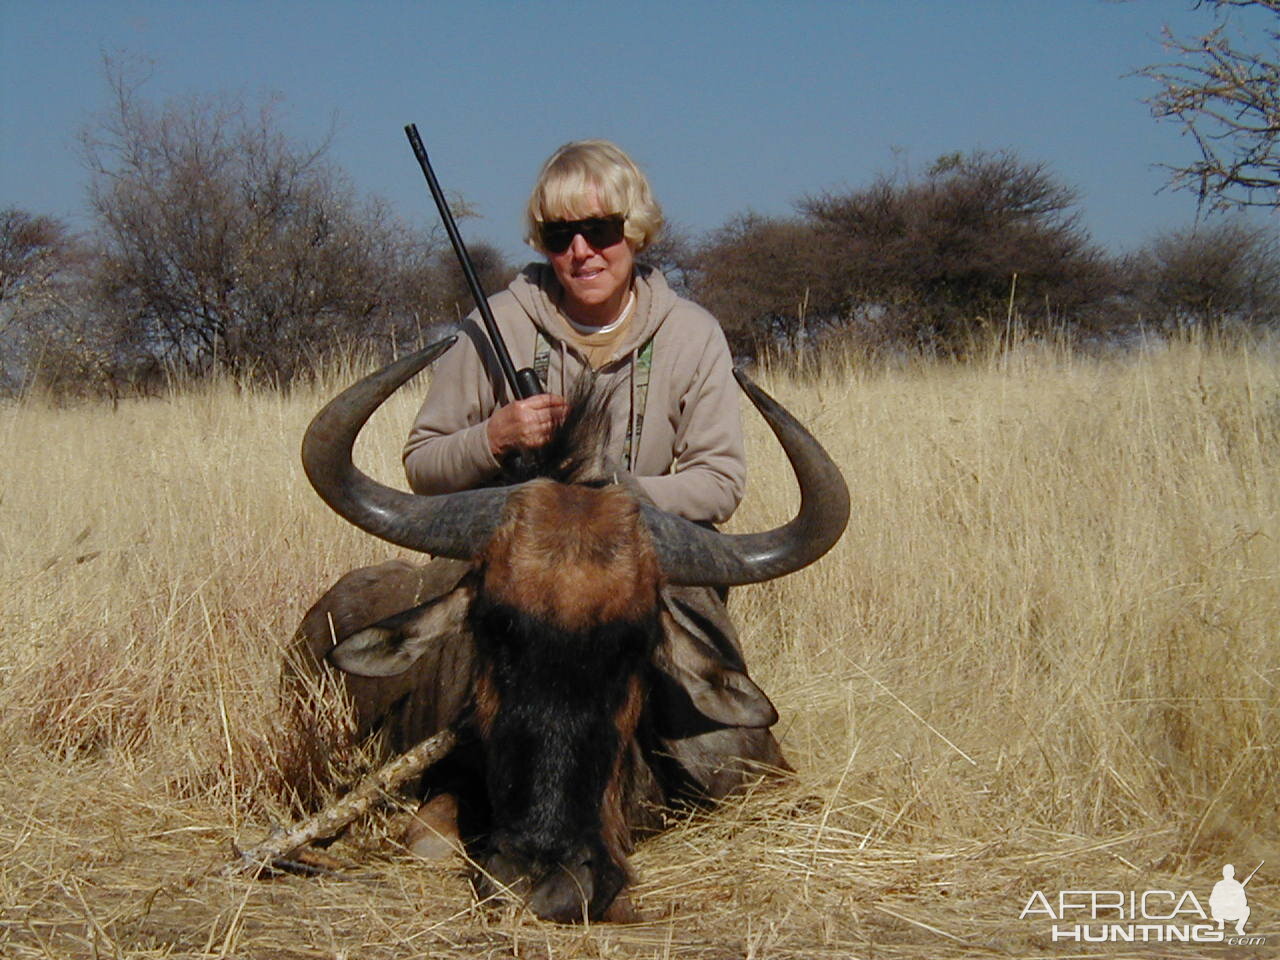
pixel 1147 916
pixel 1228 900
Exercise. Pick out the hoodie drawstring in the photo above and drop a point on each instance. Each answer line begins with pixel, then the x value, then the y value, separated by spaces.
pixel 641 362
pixel 632 427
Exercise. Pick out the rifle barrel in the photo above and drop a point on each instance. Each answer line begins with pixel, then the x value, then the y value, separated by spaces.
pixel 518 389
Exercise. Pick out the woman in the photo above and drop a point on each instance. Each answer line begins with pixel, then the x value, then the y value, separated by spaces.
pixel 676 424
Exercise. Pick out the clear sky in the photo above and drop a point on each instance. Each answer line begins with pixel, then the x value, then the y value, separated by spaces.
pixel 729 106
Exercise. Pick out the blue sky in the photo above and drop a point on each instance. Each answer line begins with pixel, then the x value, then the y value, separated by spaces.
pixel 729 106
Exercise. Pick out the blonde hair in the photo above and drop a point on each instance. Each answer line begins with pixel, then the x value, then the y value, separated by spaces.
pixel 587 170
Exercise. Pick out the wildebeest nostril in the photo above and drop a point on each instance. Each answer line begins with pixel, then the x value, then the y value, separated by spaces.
pixel 563 894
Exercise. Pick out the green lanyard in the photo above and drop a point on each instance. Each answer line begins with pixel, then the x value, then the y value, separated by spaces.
pixel 640 384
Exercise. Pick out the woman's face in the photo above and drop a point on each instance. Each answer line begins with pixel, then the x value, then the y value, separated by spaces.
pixel 596 280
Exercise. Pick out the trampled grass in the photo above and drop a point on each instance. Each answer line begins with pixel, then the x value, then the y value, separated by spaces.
pixel 1044 657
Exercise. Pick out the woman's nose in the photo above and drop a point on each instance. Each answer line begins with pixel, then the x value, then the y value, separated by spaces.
pixel 580 247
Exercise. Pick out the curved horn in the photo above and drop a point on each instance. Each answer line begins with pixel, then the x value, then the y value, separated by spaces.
pixel 456 524
pixel 695 556
pixel 448 525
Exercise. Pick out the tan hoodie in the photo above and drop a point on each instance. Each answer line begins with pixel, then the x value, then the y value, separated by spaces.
pixel 690 458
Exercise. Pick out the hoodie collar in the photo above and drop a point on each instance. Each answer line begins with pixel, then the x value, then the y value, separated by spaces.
pixel 538 291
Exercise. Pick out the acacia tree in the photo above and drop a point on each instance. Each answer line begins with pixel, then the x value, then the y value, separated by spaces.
pixel 1226 96
pixel 924 262
pixel 941 252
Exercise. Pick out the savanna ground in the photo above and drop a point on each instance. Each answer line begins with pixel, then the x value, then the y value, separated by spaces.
pixel 1044 657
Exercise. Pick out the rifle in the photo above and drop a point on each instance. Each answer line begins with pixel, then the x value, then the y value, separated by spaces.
pixel 523 383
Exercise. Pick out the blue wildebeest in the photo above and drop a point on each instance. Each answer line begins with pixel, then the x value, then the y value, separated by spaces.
pixel 565 644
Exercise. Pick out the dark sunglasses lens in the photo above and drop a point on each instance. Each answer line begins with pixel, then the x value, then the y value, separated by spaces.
pixel 599 232
pixel 603 232
pixel 556 237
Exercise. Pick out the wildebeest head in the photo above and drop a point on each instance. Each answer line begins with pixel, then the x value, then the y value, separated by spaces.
pixel 562 606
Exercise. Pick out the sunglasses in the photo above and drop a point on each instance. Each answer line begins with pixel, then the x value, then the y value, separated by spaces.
pixel 599 232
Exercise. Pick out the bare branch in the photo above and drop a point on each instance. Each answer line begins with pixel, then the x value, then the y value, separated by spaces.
pixel 1227 99
pixel 277 852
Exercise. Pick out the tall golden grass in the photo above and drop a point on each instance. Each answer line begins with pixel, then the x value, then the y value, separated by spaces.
pixel 1043 657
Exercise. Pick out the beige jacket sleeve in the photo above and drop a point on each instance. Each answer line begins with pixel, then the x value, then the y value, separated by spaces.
pixel 448 446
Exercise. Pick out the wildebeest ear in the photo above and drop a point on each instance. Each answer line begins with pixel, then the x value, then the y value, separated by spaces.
pixel 392 646
pixel 695 691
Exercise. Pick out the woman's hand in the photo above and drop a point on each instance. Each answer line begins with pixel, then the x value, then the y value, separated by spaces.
pixel 524 424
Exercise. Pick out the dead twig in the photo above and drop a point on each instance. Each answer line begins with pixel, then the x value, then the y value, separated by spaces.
pixel 280 851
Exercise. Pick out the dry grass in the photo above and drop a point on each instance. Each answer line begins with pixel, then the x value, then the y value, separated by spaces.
pixel 1043 657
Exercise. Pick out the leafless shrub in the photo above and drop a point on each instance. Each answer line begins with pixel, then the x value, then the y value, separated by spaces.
pixel 225 245
pixel 34 250
pixel 435 288
pixel 672 253
pixel 41 264
pixel 1223 277
pixel 767 280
